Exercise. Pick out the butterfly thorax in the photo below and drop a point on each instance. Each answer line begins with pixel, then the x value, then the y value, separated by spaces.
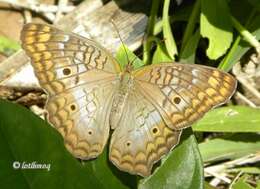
pixel 120 98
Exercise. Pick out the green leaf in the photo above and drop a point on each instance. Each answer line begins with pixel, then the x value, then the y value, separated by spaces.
pixel 241 183
pixel 125 56
pixel 231 147
pixel 181 169
pixel 250 170
pixel 255 4
pixel 167 32
pixel 239 48
pixel 160 54
pixel 26 138
pixel 216 26
pixel 208 186
pixel 233 56
pixel 242 10
pixel 230 119
pixel 189 51
pixel 258 184
pixel 180 15
pixel 8 46
pixel 108 174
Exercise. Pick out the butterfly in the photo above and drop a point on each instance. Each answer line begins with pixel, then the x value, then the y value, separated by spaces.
pixel 89 96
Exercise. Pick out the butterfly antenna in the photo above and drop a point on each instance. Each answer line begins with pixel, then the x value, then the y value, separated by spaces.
pixel 132 61
pixel 117 31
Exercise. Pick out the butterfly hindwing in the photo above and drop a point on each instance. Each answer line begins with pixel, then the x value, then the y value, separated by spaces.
pixel 80 78
pixel 141 138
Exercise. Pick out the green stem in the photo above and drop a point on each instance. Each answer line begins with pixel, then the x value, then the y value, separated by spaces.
pixel 191 24
pixel 167 32
pixel 225 65
pixel 150 28
pixel 246 34
pixel 158 27
pixel 154 39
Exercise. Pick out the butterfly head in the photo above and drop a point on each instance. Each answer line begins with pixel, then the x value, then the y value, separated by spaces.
pixel 129 67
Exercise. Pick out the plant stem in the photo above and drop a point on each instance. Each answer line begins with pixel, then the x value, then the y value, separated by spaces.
pixel 225 63
pixel 167 32
pixel 246 34
pixel 150 28
pixel 191 24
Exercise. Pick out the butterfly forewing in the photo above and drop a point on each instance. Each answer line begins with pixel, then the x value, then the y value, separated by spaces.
pixel 183 93
pixel 80 78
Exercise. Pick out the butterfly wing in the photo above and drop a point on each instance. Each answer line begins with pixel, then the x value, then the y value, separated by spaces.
pixel 141 138
pixel 80 78
pixel 183 93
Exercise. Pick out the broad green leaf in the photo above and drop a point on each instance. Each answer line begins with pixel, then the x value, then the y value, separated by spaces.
pixel 8 46
pixel 160 55
pixel 189 51
pixel 27 138
pixel 181 169
pixel 241 183
pixel 208 186
pixel 255 4
pixel 231 147
pixel 125 56
pixel 167 32
pixel 230 119
pixel 108 174
pixel 216 26
pixel 258 184
pixel 240 9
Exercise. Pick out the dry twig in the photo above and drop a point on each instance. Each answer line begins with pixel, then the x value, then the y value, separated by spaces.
pixel 61 4
pixel 46 10
pixel 220 171
pixel 39 7
pixel 245 99
pixel 247 75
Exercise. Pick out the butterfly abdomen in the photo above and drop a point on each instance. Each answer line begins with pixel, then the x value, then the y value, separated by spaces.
pixel 120 98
